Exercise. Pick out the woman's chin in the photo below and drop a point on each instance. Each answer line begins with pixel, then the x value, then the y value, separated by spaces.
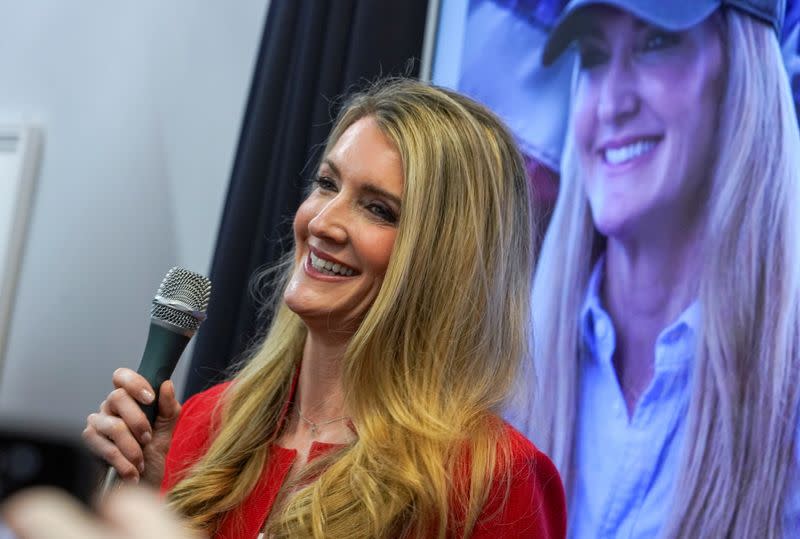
pixel 611 226
pixel 303 308
pixel 618 222
pixel 318 318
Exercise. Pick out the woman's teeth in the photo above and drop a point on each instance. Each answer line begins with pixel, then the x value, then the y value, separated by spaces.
pixel 326 266
pixel 615 156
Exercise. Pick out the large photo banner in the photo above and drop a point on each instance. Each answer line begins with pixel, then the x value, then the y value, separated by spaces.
pixel 661 143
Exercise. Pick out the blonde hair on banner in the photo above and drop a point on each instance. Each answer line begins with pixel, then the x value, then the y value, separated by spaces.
pixel 432 361
pixel 738 448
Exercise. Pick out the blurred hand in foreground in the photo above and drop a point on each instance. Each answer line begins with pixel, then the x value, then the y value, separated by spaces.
pixel 130 513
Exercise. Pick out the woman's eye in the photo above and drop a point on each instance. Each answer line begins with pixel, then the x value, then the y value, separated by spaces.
pixel 590 56
pixel 382 212
pixel 324 183
pixel 660 40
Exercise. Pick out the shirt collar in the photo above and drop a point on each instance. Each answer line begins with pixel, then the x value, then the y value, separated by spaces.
pixel 680 339
pixel 597 333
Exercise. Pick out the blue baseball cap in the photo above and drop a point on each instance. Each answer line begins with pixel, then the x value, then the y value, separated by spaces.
pixel 672 15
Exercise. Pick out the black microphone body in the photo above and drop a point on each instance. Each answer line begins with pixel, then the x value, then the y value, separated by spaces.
pixel 161 354
pixel 177 311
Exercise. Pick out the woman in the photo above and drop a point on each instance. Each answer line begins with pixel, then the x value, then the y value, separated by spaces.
pixel 667 293
pixel 369 409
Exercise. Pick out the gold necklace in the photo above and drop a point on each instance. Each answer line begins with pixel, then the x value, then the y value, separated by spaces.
pixel 315 425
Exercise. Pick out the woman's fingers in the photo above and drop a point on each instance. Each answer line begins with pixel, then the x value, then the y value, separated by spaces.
pixel 109 437
pixel 119 429
pixel 135 384
pixel 120 404
pixel 133 389
pixel 121 434
pixel 168 406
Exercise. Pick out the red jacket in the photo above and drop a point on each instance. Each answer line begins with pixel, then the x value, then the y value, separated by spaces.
pixel 535 505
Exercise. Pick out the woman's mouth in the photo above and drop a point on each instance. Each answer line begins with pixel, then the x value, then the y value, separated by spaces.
pixel 326 267
pixel 623 154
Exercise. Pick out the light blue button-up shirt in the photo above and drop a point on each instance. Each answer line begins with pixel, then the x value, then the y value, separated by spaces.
pixel 625 469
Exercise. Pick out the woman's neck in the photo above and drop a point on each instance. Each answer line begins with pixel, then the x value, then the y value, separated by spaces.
pixel 318 412
pixel 646 286
pixel 319 393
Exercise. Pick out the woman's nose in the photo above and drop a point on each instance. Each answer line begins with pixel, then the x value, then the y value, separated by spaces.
pixel 618 98
pixel 330 222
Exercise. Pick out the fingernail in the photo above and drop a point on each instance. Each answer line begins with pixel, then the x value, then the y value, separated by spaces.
pixel 147 396
pixel 141 467
pixel 146 438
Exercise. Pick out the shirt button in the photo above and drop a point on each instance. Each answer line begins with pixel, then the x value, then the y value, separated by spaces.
pixel 601 328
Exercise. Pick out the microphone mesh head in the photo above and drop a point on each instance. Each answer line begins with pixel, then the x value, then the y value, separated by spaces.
pixel 190 291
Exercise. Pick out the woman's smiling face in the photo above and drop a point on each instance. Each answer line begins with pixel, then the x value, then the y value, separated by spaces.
pixel 345 230
pixel 646 108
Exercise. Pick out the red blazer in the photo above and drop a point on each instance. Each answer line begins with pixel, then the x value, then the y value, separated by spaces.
pixel 535 505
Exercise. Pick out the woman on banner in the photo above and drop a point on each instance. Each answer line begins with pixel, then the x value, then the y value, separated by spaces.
pixel 667 294
pixel 370 408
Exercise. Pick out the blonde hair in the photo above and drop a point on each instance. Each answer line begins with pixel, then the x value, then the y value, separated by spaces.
pixel 743 408
pixel 430 364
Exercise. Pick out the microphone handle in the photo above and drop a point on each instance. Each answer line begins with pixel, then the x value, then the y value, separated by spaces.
pixel 110 482
pixel 161 354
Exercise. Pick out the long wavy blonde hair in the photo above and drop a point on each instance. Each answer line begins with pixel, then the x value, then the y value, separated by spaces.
pixel 433 359
pixel 743 409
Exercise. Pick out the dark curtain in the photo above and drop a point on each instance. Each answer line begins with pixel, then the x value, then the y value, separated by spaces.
pixel 312 52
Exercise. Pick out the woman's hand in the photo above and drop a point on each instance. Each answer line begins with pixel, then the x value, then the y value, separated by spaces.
pixel 121 435
pixel 128 513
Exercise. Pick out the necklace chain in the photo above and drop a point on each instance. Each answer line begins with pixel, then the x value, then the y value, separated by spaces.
pixel 315 425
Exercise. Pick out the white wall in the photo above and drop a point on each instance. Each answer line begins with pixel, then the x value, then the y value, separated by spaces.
pixel 141 105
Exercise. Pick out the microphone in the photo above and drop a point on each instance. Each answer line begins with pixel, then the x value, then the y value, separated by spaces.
pixel 178 309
